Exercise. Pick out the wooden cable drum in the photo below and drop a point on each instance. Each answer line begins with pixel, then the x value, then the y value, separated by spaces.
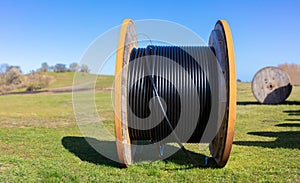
pixel 271 85
pixel 145 75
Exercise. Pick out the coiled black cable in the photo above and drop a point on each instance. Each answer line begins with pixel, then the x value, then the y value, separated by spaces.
pixel 143 76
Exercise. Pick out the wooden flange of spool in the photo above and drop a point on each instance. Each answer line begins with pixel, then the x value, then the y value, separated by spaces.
pixel 271 85
pixel 127 41
pixel 221 41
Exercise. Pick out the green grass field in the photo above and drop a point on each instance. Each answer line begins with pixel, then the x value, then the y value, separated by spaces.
pixel 65 79
pixel 40 142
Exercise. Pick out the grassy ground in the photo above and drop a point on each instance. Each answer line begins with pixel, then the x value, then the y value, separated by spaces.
pixel 39 141
pixel 65 79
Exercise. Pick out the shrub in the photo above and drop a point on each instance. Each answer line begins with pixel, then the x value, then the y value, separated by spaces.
pixel 6 88
pixel 37 81
pixel 10 79
pixel 294 72
pixel 12 75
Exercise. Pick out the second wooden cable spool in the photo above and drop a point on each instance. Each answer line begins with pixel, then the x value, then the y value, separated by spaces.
pixel 271 85
pixel 221 43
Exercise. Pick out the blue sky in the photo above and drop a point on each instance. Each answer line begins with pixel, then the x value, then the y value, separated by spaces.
pixel 31 32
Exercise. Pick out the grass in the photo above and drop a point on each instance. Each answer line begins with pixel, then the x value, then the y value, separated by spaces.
pixel 65 79
pixel 61 79
pixel 40 142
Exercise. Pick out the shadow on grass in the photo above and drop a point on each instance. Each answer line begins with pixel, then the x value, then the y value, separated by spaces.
pixel 287 139
pixel 290 102
pixel 292 120
pixel 288 125
pixel 181 158
pixel 293 112
pixel 247 103
pixel 257 103
pixel 80 147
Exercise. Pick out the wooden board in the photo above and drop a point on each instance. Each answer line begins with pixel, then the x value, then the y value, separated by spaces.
pixel 221 41
pixel 271 85
pixel 127 41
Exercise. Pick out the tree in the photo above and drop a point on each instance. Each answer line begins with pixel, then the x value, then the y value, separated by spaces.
pixel 74 67
pixel 3 67
pixel 51 68
pixel 84 68
pixel 293 71
pixel 45 67
pixel 60 68
pixel 2 79
pixel 12 75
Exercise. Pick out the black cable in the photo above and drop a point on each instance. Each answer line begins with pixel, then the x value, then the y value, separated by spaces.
pixel 156 85
pixel 142 90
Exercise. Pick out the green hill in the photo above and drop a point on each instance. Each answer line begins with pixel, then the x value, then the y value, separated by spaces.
pixel 64 81
pixel 60 79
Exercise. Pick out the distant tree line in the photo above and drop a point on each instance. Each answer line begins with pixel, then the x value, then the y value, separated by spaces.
pixel 11 77
pixel 73 67
pixel 294 72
